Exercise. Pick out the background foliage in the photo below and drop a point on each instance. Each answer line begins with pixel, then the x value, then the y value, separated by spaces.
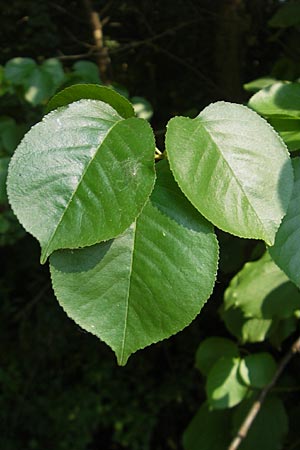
pixel 59 385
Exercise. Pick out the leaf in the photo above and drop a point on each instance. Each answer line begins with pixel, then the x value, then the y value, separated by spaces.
pixel 233 168
pixel 263 291
pixel 142 107
pixel 289 130
pixel 93 92
pixel 3 175
pixel 211 350
pixel 257 370
pixel 55 69
pixel 18 69
pixel 223 386
pixel 147 284
pixel 269 427
pixel 208 430
pixel 286 16
pixel 286 251
pixel 282 330
pixel 87 71
pixel 81 176
pixel 259 83
pixel 281 99
pixel 245 330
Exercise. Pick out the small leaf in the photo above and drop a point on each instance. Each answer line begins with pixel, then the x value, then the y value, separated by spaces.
pixel 257 370
pixel 234 169
pixel 87 71
pixel 281 99
pixel 223 387
pixel 208 430
pixel 93 92
pixel 142 107
pixel 211 350
pixel 81 176
pixel 286 250
pixel 269 427
pixel 147 284
pixel 17 70
pixel 263 291
pixel 258 84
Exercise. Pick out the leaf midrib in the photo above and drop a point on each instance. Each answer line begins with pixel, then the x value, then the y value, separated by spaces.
pixel 44 254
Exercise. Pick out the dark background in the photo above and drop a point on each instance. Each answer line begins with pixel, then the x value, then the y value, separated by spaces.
pixel 61 387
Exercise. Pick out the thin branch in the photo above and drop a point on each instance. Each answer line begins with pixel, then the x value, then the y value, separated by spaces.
pixel 97 29
pixel 254 410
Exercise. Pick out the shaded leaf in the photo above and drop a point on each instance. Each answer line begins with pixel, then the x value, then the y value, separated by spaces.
pixel 257 370
pixel 211 350
pixel 90 91
pixel 286 250
pixel 233 167
pixel 208 430
pixel 269 427
pixel 223 387
pixel 112 289
pixel 281 99
pixel 81 176
pixel 288 15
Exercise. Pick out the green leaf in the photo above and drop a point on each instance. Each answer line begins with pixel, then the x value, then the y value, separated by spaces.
pixel 87 71
pixel 245 330
pixel 223 387
pixel 90 91
pixel 286 251
pixel 282 330
pixel 263 291
pixel 3 175
pixel 147 284
pixel 269 427
pixel 55 69
pixel 10 134
pixel 81 176
pixel 142 107
pixel 259 83
pixel 281 99
pixel 211 350
pixel 257 370
pixel 234 169
pixel 286 16
pixel 208 430
pixel 289 129
pixel 17 70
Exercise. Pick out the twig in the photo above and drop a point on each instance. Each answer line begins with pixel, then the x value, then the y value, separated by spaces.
pixel 102 51
pixel 254 410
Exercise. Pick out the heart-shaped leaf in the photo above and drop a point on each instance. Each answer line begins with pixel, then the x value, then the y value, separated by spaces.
pixel 81 176
pixel 233 167
pixel 147 284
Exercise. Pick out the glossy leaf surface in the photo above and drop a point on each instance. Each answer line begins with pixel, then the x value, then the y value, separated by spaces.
pixel 286 250
pixel 92 92
pixel 81 176
pixel 147 284
pixel 233 168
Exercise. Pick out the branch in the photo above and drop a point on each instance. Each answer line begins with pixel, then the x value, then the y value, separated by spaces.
pixel 254 410
pixel 101 51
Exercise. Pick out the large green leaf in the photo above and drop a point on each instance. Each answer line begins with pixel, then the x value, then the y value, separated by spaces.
pixel 147 284
pixel 286 250
pixel 208 430
pixel 263 291
pixel 211 350
pixel 92 92
pixel 224 388
pixel 81 176
pixel 233 167
pixel 269 427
